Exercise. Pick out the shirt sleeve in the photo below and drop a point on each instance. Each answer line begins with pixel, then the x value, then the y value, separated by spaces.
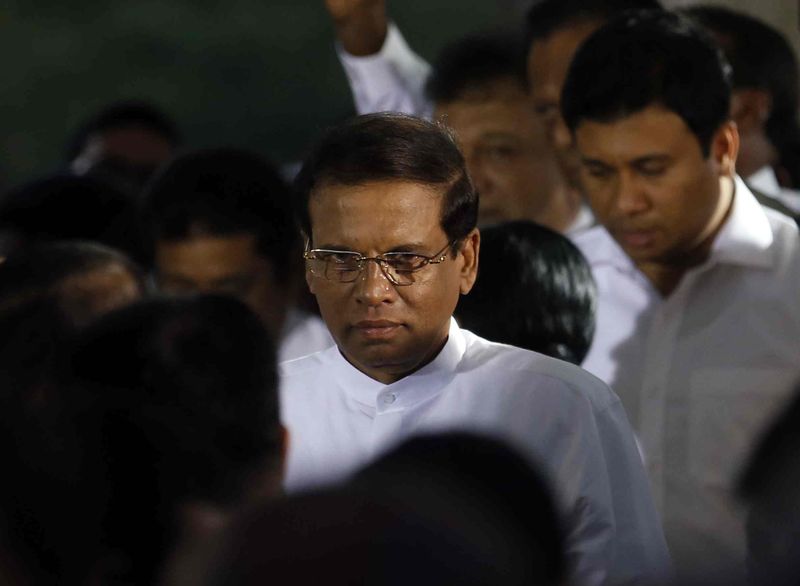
pixel 392 80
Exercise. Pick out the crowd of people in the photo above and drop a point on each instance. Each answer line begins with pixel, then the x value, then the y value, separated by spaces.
pixel 532 316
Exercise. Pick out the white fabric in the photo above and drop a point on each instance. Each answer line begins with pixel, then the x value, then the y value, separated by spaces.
pixel 566 420
pixel 765 181
pixel 303 333
pixel 392 80
pixel 702 371
pixel 582 222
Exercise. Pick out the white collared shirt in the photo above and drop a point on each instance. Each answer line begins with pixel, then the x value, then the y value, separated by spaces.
pixel 303 333
pixel 564 419
pixel 702 371
pixel 391 80
pixel 765 181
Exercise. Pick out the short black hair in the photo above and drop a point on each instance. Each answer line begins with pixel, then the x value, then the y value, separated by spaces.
pixel 548 294
pixel 125 114
pixel 222 191
pixel 391 147
pixel 545 17
pixel 173 401
pixel 39 272
pixel 466 509
pixel 473 62
pixel 761 58
pixel 649 58
pixel 66 207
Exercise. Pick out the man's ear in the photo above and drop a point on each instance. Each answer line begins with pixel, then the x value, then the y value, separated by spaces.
pixel 750 109
pixel 725 148
pixel 470 250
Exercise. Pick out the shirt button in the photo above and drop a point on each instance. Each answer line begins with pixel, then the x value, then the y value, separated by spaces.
pixel 389 399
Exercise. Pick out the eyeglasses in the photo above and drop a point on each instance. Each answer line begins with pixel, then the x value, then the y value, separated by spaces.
pixel 344 266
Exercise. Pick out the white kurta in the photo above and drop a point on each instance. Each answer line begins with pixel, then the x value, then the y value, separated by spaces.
pixel 303 333
pixel 564 419
pixel 701 372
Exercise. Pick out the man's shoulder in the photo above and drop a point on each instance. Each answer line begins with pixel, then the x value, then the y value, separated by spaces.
pixel 305 366
pixel 531 372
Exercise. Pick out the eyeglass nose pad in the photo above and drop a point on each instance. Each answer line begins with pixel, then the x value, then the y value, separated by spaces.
pixel 379 267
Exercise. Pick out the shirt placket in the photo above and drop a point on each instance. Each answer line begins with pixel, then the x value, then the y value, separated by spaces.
pixel 658 360
pixel 388 421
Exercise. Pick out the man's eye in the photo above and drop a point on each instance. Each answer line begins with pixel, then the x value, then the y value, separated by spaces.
pixel 404 262
pixel 503 152
pixel 344 258
pixel 597 172
pixel 654 170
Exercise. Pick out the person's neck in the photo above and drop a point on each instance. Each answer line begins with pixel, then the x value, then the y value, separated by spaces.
pixel 388 374
pixel 562 212
pixel 666 275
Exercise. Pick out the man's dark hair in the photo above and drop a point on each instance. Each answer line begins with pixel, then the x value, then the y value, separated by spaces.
pixel 546 287
pixel 42 271
pixel 65 207
pixel 391 147
pixel 761 59
pixel 548 16
pixel 125 114
pixel 473 62
pixel 173 401
pixel 649 58
pixel 466 509
pixel 222 192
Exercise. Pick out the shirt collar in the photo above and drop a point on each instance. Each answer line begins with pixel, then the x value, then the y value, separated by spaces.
pixel 582 222
pixel 765 181
pixel 746 237
pixel 419 386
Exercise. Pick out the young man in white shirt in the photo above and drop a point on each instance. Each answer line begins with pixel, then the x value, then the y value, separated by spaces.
pixel 389 214
pixel 698 328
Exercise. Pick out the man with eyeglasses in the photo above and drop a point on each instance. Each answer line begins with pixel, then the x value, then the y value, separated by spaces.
pixel 389 215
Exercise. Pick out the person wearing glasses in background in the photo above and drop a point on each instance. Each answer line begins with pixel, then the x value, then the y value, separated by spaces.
pixel 389 216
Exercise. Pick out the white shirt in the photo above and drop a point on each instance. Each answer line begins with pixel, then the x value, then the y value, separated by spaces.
pixel 564 419
pixel 303 333
pixel 765 181
pixel 391 80
pixel 702 371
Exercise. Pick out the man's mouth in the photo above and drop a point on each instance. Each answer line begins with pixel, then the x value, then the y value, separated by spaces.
pixel 378 329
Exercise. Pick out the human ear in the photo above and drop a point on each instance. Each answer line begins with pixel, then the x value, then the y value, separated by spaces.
pixel 725 148
pixel 750 109
pixel 469 269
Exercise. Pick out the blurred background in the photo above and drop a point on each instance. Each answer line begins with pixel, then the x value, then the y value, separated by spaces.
pixel 253 73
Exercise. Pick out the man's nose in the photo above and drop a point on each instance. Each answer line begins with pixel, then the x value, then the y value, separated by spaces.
pixel 631 198
pixel 373 287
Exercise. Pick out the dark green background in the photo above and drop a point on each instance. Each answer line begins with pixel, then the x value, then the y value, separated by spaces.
pixel 260 74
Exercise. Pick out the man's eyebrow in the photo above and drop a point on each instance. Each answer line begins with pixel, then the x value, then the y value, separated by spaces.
pixel 596 162
pixel 653 158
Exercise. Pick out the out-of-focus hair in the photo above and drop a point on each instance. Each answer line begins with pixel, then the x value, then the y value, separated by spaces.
pixel 534 290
